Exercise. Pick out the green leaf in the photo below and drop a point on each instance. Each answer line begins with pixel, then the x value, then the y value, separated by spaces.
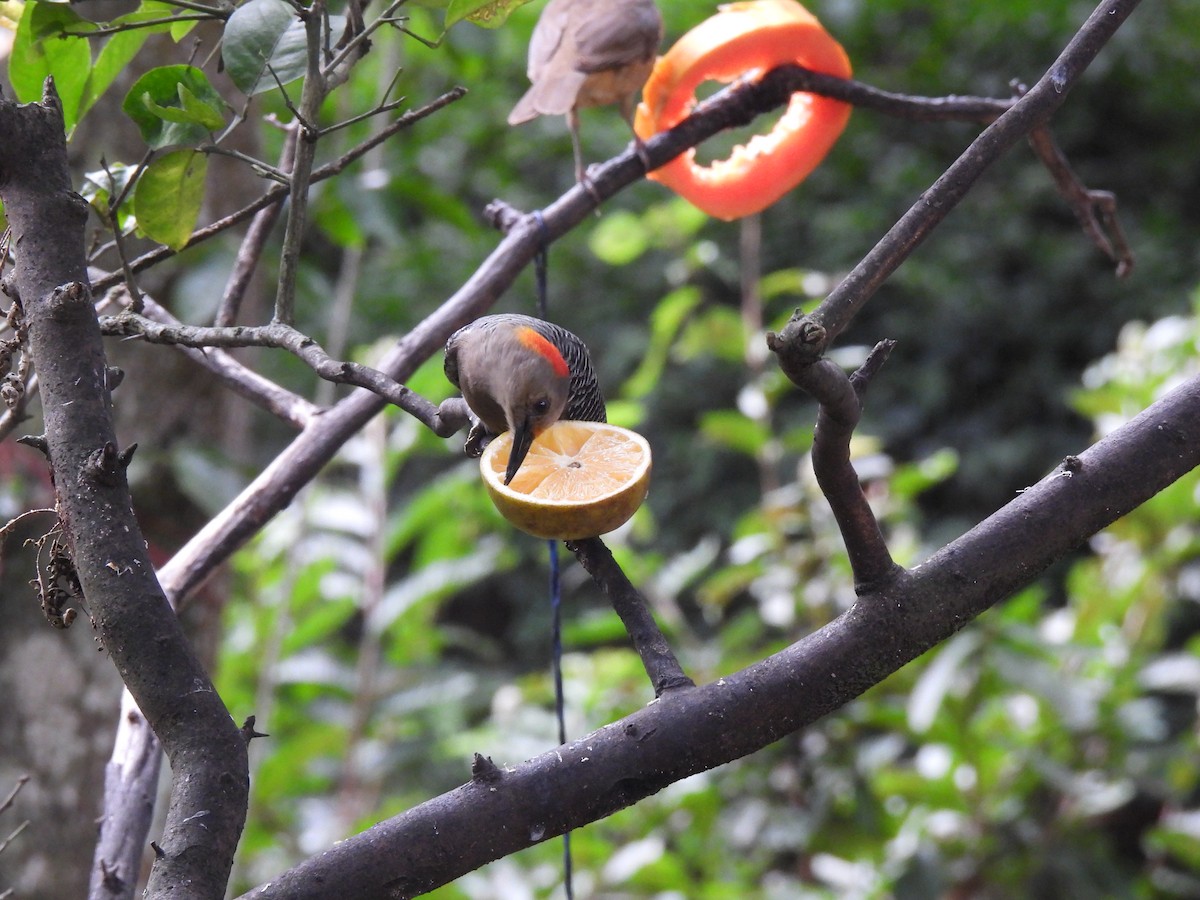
pixel 912 479
pixel 619 238
pixel 668 318
pixel 717 332
pixel 122 47
pixel 56 20
pixel 729 428
pixel 37 54
pixel 338 221
pixel 174 105
pixel 168 195
pixel 179 30
pixel 190 110
pixel 484 13
pixel 259 34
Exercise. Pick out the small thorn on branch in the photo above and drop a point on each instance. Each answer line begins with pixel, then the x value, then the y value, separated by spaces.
pixel 248 731
pixel 113 882
pixel 37 442
pixel 67 298
pixel 861 378
pixel 484 771
pixel 799 344
pixel 502 216
pixel 106 464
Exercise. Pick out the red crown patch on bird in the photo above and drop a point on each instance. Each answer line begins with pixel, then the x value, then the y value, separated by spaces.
pixel 539 344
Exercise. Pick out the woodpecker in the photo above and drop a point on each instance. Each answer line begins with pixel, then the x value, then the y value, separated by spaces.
pixel 589 53
pixel 521 374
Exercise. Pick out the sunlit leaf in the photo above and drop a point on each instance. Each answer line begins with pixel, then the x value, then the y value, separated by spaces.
pixel 729 428
pixel 942 673
pixel 716 332
pixel 168 196
pixel 911 480
pixel 33 58
pixel 57 20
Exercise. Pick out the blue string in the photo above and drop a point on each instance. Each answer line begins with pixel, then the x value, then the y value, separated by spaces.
pixel 559 704
pixel 539 271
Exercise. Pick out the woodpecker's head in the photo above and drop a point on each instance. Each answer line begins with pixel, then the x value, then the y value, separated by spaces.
pixel 513 377
pixel 532 391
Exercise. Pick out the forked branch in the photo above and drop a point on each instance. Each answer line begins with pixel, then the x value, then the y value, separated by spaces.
pixel 841 402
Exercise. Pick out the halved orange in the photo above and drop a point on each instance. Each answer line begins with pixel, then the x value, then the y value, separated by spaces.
pixel 580 479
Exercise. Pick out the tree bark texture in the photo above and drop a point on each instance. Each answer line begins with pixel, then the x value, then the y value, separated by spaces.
pixel 128 610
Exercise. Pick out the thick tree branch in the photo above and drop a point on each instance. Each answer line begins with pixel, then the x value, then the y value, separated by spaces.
pixel 130 779
pixel 135 624
pixel 695 729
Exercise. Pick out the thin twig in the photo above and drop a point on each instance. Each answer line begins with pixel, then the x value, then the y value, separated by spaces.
pixel 21 781
pixel 135 296
pixel 265 170
pixel 278 192
pixel 660 663
pixel 1095 210
pixel 443 420
pixel 280 402
pixel 13 835
pixel 251 249
pixel 381 109
pixel 15 414
pixel 107 30
pixel 360 37
pixel 312 95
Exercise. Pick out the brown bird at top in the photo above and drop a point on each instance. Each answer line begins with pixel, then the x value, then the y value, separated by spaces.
pixel 589 53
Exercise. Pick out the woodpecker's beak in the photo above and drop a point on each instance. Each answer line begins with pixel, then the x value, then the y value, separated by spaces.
pixel 522 439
